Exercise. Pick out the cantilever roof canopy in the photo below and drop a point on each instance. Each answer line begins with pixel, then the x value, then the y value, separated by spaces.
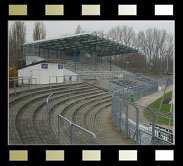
pixel 92 42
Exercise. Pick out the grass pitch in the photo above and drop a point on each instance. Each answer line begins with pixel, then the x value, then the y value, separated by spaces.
pixel 165 108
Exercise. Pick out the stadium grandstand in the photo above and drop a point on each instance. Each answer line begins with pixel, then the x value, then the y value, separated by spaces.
pixel 69 92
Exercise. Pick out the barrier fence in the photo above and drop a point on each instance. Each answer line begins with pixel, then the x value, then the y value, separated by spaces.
pixel 125 114
pixel 127 119
pixel 71 126
pixel 21 84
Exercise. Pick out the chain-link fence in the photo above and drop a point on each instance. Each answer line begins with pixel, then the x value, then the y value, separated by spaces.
pixel 128 118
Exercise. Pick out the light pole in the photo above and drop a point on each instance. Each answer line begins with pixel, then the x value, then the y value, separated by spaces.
pixel 167 63
pixel 151 64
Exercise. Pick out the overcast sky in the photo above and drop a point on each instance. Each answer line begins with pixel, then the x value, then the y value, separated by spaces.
pixel 57 28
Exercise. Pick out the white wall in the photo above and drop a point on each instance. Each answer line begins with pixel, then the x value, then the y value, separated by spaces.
pixel 42 75
pixel 68 73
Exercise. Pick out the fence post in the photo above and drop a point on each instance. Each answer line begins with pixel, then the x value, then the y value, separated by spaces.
pixel 120 118
pixel 14 86
pixel 36 83
pixel 137 124
pixel 56 81
pixel 126 120
pixel 153 127
pixel 58 129
pixel 71 133
pixel 52 100
pixel 22 84
pixel 94 137
pixel 49 83
pixel 47 109
pixel 29 83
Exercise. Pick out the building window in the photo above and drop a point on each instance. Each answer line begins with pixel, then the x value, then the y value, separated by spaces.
pixel 60 66
pixel 44 66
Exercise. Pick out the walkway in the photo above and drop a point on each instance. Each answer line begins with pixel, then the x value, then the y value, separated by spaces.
pixel 147 100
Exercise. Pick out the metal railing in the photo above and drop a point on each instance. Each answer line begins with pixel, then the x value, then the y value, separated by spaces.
pixel 49 100
pixel 63 79
pixel 132 128
pixel 71 125
pixel 22 82
pixel 48 105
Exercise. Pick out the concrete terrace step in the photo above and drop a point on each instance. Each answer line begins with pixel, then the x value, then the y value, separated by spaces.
pixel 33 93
pixel 40 116
pixel 18 107
pixel 80 109
pixel 106 127
pixel 67 108
pixel 80 115
pixel 90 120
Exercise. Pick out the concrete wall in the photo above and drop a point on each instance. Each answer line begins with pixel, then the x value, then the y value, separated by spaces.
pixel 42 75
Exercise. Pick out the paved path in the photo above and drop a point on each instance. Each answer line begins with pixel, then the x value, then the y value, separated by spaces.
pixel 107 131
pixel 147 100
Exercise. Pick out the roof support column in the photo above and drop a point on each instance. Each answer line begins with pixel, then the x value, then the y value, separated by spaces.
pixel 95 61
pixel 57 54
pixel 110 63
pixel 43 52
pixel 38 51
pixel 121 62
pixel 75 60
pixel 48 53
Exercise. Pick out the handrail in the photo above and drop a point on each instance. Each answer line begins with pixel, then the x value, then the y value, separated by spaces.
pixel 22 79
pixel 51 96
pixel 71 124
pixel 47 103
pixel 64 78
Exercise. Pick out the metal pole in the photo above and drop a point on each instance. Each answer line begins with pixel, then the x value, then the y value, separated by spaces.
pixel 121 62
pixel 137 124
pixel 38 50
pixel 162 99
pixel 153 127
pixel 75 59
pixel 167 63
pixel 49 83
pixel 110 62
pixel 29 83
pixel 36 83
pixel 71 133
pixel 95 61
pixel 22 84
pixel 126 120
pixel 170 111
pixel 58 129
pixel 14 86
pixel 120 118
pixel 47 103
pixel 56 81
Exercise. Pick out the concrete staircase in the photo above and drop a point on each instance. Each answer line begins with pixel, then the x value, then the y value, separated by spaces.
pixel 82 103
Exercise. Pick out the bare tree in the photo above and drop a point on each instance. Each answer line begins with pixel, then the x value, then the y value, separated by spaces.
pixel 39 31
pixel 17 37
pixel 156 45
pixel 80 30
pixel 124 34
